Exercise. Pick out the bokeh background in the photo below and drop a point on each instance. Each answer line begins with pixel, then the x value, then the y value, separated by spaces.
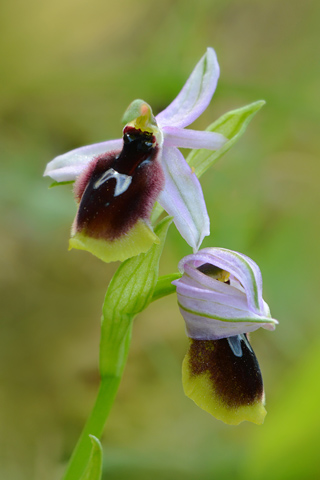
pixel 69 70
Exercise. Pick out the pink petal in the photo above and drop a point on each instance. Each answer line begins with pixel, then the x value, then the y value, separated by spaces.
pixel 69 165
pixel 183 138
pixel 182 198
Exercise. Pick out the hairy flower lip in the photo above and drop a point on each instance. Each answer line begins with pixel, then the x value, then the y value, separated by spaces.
pixel 191 217
pixel 118 190
pixel 213 309
pixel 223 377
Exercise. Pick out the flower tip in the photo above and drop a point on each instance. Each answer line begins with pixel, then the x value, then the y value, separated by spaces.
pixel 47 171
pixel 137 109
pixel 271 326
pixel 145 109
pixel 211 58
pixel 139 116
pixel 255 106
pixel 211 52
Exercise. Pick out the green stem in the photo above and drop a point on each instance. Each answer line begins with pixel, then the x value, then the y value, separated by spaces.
pixel 95 424
pixel 164 286
pixel 129 292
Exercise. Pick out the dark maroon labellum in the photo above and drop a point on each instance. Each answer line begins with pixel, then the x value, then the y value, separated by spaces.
pixel 119 188
pixel 236 379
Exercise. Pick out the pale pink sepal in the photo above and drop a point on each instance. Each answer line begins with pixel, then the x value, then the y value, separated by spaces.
pixel 196 94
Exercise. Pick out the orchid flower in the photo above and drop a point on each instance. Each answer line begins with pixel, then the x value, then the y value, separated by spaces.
pixel 119 181
pixel 220 298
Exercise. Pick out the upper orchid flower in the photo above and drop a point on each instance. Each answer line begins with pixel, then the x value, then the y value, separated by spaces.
pixel 220 298
pixel 118 181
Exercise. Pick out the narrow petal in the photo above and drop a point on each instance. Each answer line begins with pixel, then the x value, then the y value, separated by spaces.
pixel 196 94
pixel 69 165
pixel 224 378
pixel 182 198
pixel 180 137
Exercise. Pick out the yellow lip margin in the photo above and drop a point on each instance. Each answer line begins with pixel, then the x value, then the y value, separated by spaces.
pixel 201 390
pixel 138 240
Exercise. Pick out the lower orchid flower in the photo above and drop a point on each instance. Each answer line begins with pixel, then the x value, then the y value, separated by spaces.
pixel 119 181
pixel 220 298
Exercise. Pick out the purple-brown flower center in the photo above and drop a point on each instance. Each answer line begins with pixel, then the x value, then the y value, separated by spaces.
pixel 119 188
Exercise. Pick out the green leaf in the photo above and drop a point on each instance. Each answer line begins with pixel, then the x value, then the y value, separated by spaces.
pixel 93 470
pixel 131 288
pixel 130 291
pixel 57 184
pixel 232 125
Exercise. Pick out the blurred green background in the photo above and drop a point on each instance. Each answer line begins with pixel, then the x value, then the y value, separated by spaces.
pixel 69 70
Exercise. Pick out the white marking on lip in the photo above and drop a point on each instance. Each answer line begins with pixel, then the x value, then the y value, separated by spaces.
pixel 123 181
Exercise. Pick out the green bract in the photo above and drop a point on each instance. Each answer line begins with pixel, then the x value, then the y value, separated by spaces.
pixel 94 467
pixel 130 291
pixel 231 125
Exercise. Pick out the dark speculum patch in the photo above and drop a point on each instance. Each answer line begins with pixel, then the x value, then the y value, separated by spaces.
pixel 122 188
pixel 236 380
pixel 209 269
pixel 215 272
